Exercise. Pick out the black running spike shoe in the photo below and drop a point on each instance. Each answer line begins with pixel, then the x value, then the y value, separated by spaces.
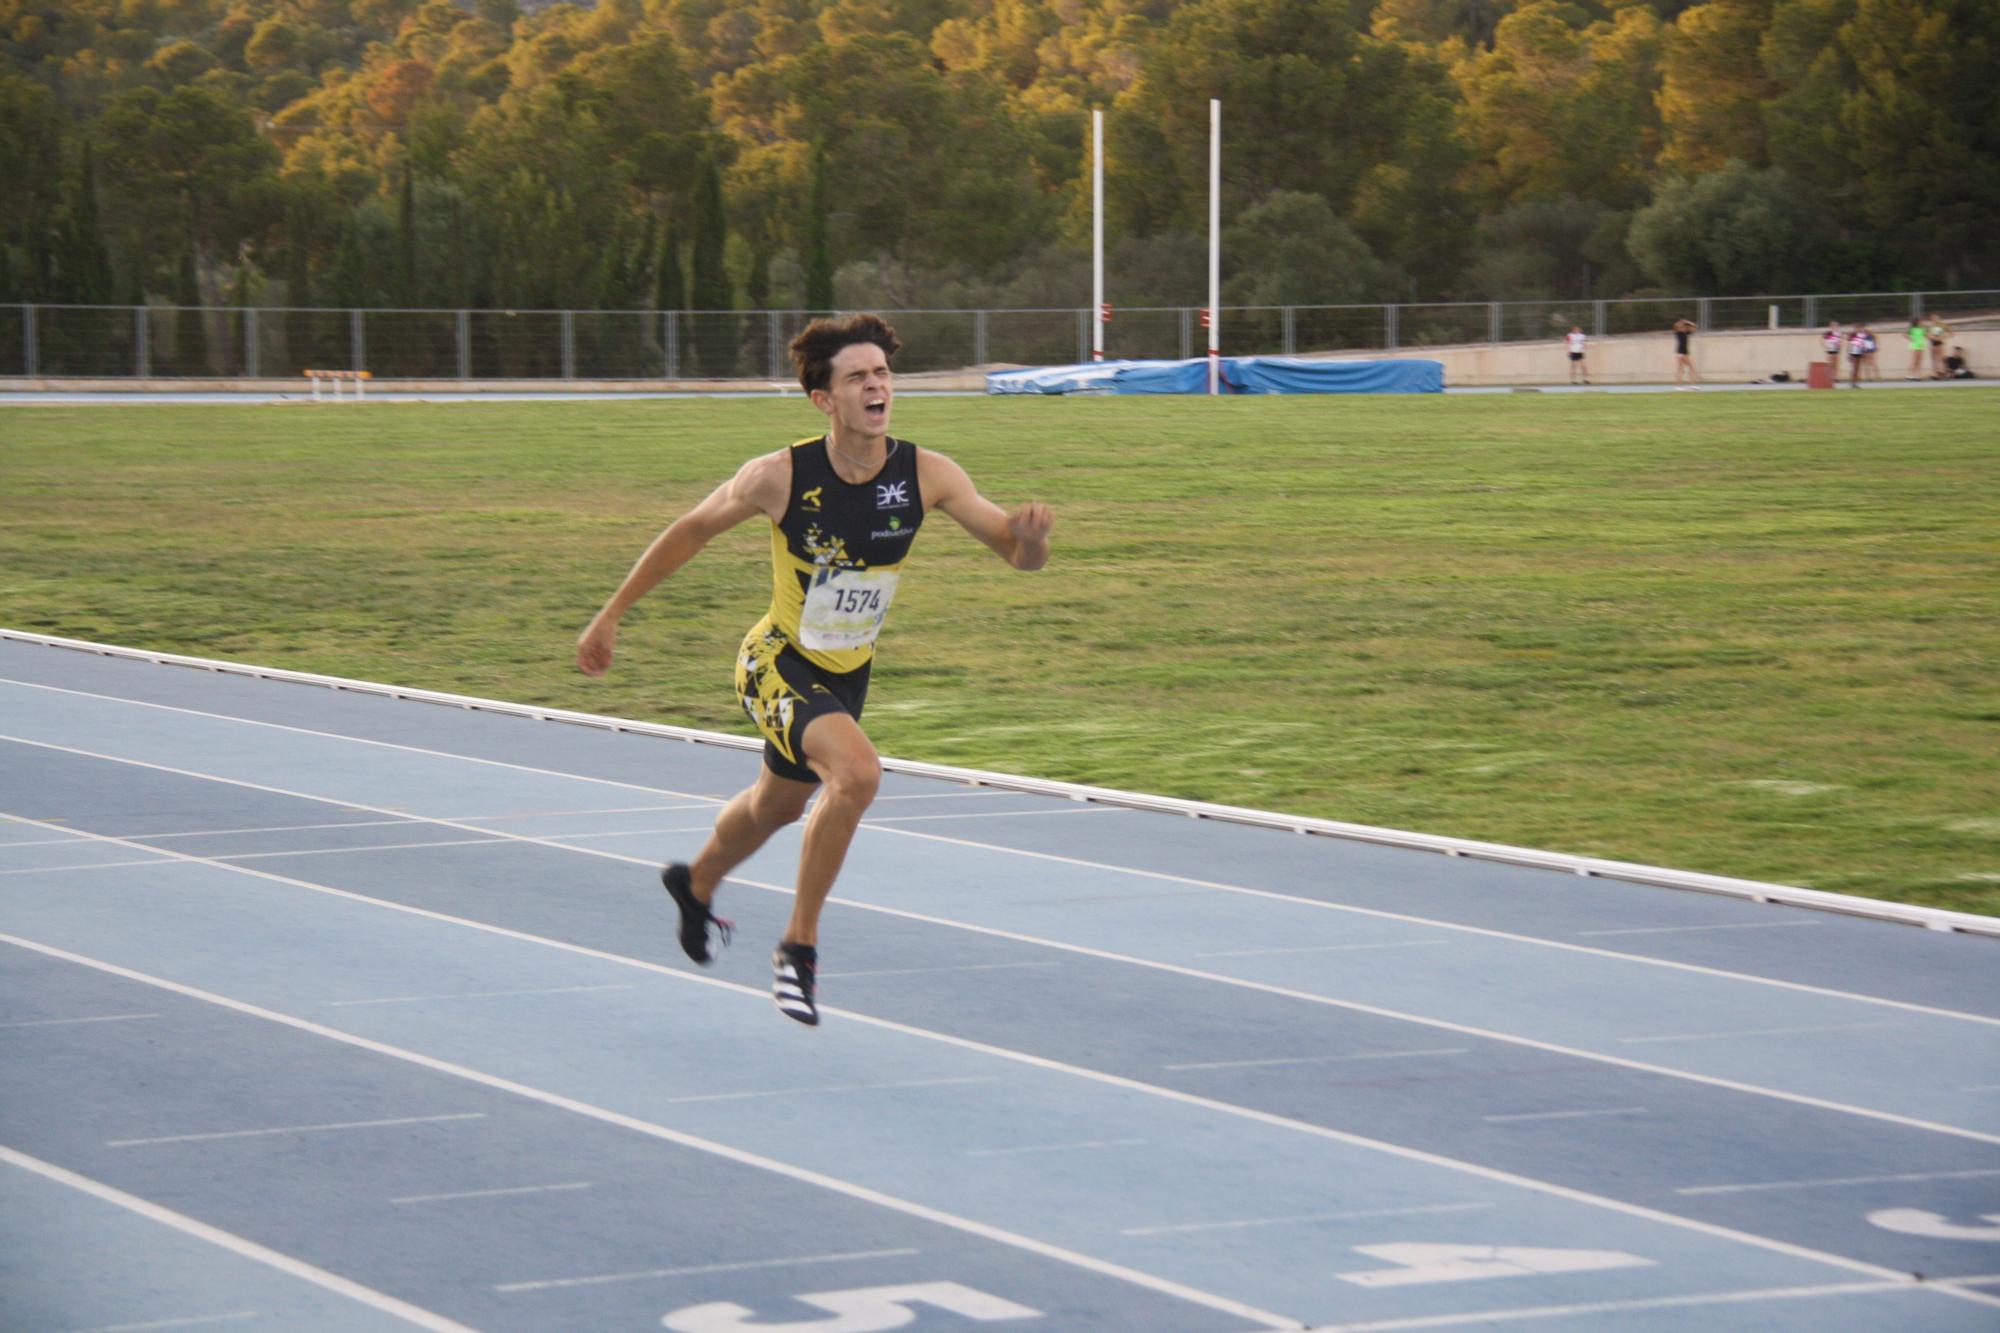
pixel 695 916
pixel 792 969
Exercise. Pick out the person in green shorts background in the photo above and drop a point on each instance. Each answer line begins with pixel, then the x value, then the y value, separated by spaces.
pixel 1939 334
pixel 1919 345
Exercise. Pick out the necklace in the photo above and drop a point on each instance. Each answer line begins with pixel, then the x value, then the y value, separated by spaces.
pixel 864 464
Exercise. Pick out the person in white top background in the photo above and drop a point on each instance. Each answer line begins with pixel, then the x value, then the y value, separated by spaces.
pixel 1576 342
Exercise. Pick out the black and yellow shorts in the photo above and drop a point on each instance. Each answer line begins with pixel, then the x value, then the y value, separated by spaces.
pixel 781 692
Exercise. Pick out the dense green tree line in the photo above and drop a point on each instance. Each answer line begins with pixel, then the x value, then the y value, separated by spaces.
pixel 717 154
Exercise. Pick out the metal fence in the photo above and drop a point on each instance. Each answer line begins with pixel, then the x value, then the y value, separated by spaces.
pixel 168 342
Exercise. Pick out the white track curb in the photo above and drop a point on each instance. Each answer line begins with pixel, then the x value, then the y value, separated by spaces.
pixel 1931 918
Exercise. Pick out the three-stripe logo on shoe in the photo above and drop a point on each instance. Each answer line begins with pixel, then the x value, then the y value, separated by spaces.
pixel 792 967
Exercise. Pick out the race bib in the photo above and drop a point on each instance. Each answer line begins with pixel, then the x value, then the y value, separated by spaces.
pixel 844 607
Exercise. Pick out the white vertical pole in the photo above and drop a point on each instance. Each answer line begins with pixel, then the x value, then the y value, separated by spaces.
pixel 1097 233
pixel 1214 243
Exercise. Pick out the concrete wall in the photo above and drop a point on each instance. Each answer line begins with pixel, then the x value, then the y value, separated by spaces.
pixel 1736 358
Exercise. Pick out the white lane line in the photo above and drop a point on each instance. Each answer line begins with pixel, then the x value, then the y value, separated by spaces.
pixel 56 1022
pixel 1085 1145
pixel 814 1092
pixel 597 1279
pixel 885 820
pixel 274 828
pixel 987 793
pixel 1419 1210
pixel 1441 1025
pixel 1830 1183
pixel 925 971
pixel 1230 1109
pixel 1321 948
pixel 1172 969
pixel 91 865
pixel 1511 937
pixel 704 804
pixel 833 1184
pixel 1754 1032
pixel 1273 895
pixel 235 1244
pixel 566 839
pixel 655 792
pixel 1615 1307
pixel 292 1129
pixel 1318 1059
pixel 1682 930
pixel 375 847
pixel 477 995
pixel 1563 1115
pixel 186 1321
pixel 503 1192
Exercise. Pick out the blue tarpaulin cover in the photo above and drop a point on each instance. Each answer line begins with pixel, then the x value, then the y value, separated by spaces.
pixel 1291 374
pixel 1240 374
pixel 1105 377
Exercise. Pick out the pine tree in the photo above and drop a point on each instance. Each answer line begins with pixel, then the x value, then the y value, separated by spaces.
pixel 819 258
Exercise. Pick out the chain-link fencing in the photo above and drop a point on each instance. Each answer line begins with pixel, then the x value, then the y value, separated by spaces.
pixel 169 342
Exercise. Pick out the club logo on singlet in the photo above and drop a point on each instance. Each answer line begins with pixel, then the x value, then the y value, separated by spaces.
pixel 894 495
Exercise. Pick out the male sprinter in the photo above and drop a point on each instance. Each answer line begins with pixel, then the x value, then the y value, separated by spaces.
pixel 844 508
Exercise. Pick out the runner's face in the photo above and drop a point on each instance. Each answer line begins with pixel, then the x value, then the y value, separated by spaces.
pixel 859 392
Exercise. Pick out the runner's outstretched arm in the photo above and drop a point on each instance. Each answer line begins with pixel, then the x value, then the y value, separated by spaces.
pixel 1020 538
pixel 741 498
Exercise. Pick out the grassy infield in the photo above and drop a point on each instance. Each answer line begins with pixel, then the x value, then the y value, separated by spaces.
pixel 1753 634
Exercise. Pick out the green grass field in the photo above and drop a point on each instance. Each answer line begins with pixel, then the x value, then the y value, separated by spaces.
pixel 1752 634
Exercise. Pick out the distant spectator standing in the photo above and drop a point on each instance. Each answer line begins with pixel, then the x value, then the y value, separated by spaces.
pixel 1832 341
pixel 1870 367
pixel 1858 341
pixel 1576 342
pixel 1919 345
pixel 1940 334
pixel 1684 371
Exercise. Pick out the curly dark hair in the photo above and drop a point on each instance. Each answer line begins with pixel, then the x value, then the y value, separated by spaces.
pixel 822 340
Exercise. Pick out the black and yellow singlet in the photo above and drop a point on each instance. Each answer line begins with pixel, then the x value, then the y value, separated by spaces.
pixel 836 557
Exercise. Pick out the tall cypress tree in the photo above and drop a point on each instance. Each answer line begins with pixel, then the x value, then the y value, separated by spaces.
pixel 715 337
pixel 819 256
pixel 86 261
pixel 640 280
pixel 406 242
pixel 190 326
pixel 710 276
pixel 298 268
pixel 350 269
pixel 669 278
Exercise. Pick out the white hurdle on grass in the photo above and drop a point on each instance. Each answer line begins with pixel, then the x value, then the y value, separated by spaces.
pixel 358 378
